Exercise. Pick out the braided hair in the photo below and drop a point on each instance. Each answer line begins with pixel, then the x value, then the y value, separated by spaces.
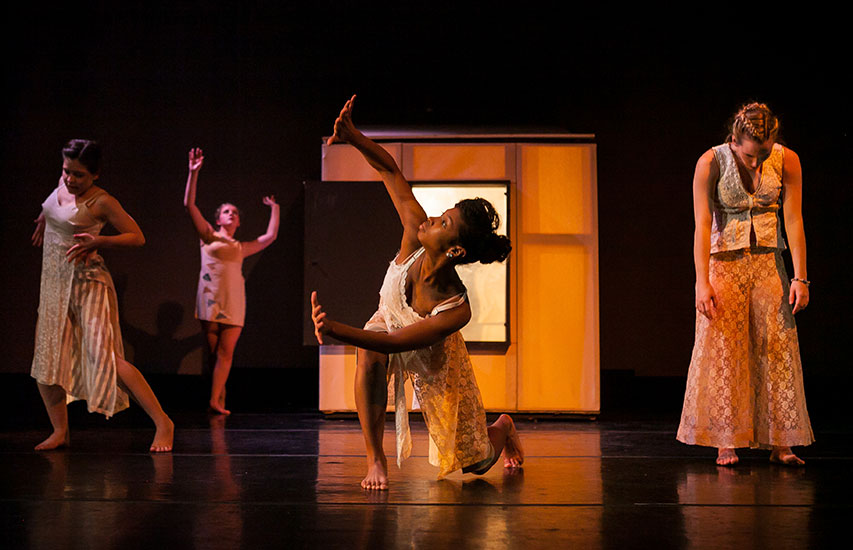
pixel 756 121
pixel 477 233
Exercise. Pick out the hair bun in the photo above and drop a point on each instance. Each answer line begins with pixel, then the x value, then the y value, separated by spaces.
pixel 496 249
pixel 478 235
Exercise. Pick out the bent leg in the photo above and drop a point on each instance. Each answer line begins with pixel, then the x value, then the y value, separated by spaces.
pixel 371 400
pixel 228 336
pixel 54 402
pixel 134 384
pixel 505 439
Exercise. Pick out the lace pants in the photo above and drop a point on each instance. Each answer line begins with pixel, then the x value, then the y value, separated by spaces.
pixel 745 383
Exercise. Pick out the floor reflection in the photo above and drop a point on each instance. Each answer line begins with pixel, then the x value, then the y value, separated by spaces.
pixel 758 500
pixel 293 482
pixel 219 522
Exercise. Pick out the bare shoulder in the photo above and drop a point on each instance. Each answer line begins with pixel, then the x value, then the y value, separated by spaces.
pixel 789 156
pixel 102 200
pixel 708 160
pixel 791 169
pixel 104 206
pixel 707 167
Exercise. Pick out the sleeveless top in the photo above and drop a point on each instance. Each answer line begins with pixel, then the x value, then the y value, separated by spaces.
pixel 221 295
pixel 62 222
pixel 737 212
pixel 442 377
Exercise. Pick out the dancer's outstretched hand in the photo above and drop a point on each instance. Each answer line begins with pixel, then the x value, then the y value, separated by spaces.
pixel 196 159
pixel 269 200
pixel 344 127
pixel 38 234
pixel 321 325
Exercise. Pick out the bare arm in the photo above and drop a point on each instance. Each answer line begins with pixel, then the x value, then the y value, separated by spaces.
pixel 792 205
pixel 107 208
pixel 38 235
pixel 706 174
pixel 253 247
pixel 202 227
pixel 415 336
pixel 408 208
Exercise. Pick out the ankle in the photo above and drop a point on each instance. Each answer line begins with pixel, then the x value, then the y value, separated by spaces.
pixel 377 459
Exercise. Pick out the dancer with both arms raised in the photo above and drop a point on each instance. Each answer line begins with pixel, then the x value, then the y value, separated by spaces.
pixel 415 332
pixel 221 294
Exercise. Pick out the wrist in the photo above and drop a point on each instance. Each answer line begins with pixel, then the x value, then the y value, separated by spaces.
pixel 800 280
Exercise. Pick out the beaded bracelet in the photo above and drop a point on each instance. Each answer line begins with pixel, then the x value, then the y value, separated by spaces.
pixel 804 281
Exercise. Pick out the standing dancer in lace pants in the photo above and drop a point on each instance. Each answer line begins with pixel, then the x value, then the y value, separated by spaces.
pixel 745 383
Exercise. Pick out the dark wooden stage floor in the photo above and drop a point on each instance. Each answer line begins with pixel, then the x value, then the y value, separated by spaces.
pixel 291 481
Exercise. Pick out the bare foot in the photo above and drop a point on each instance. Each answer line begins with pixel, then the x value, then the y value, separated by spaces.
pixel 784 455
pixel 163 437
pixel 513 452
pixel 54 441
pixel 215 407
pixel 726 457
pixel 377 475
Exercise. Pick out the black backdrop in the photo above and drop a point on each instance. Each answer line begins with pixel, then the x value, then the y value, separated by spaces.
pixel 351 233
pixel 258 86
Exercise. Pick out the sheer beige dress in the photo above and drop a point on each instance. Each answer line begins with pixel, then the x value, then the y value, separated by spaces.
pixel 443 380
pixel 745 383
pixel 78 337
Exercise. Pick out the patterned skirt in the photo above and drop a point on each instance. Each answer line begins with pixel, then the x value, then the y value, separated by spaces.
pixel 89 345
pixel 745 383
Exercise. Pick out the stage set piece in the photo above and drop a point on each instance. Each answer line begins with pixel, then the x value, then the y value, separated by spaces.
pixel 533 338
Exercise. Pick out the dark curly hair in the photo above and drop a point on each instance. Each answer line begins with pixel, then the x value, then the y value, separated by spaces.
pixel 84 151
pixel 477 233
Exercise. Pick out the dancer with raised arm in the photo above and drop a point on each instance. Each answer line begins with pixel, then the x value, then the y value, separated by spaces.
pixel 78 348
pixel 415 332
pixel 221 294
pixel 745 383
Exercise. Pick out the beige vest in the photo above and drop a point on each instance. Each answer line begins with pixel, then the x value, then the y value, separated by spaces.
pixel 736 211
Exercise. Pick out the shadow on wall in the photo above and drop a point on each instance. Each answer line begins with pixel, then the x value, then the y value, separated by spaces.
pixel 160 352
